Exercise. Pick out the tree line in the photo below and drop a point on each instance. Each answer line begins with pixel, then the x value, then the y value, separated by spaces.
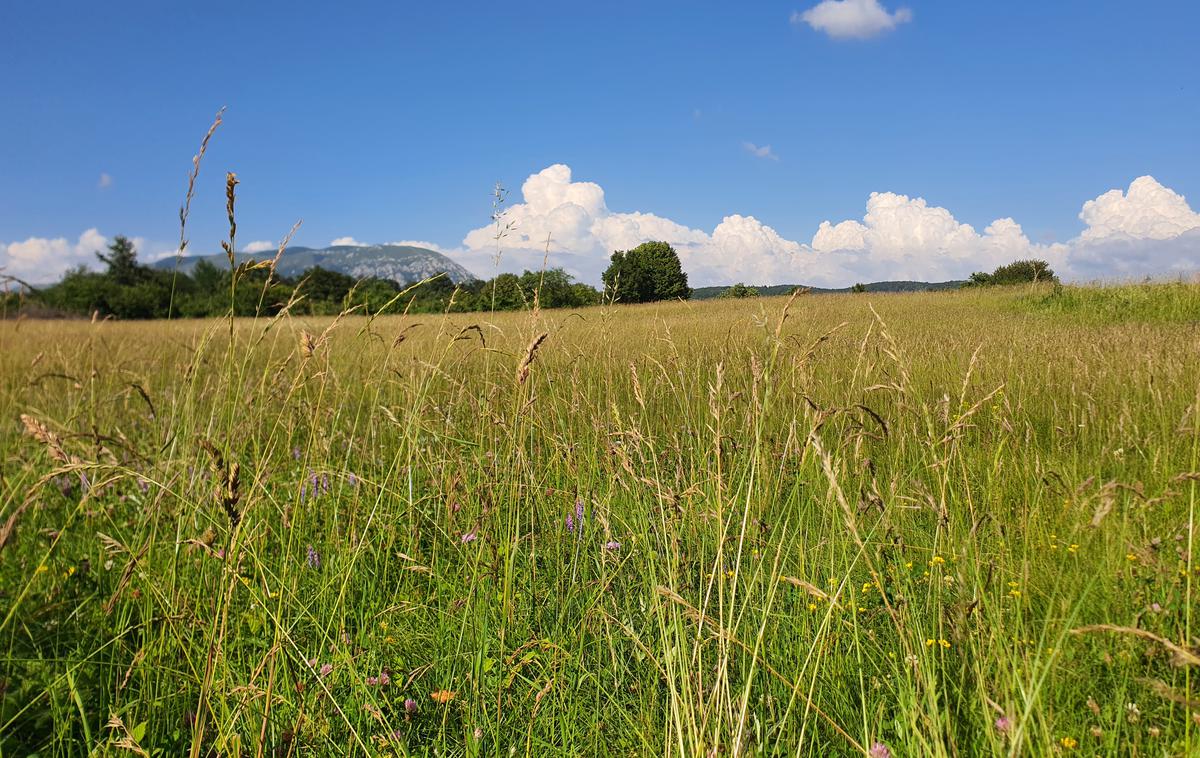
pixel 128 289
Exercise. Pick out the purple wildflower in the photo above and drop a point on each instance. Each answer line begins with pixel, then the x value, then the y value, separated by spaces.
pixel 410 706
pixel 143 485
pixel 296 453
pixel 570 523
pixel 312 557
pixel 612 546
pixel 469 537
pixel 880 750
pixel 1003 724
pixel 326 669
pixel 372 681
pixel 352 480
pixel 385 677
pixel 324 483
pixel 303 492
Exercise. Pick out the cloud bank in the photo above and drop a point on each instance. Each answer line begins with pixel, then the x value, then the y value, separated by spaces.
pixel 1144 230
pixel 852 19
pixel 1147 230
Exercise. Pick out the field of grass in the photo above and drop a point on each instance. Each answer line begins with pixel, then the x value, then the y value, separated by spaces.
pixel 953 524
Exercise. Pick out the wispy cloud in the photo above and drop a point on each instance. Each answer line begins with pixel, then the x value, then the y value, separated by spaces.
pixel 105 181
pixel 852 19
pixel 764 151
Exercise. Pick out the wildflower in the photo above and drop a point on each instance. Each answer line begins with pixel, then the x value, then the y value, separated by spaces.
pixel 143 485
pixel 1003 724
pixel 812 606
pixel 1155 731
pixel 944 643
pixel 579 511
pixel 410 707
pixel 1133 714
pixel 326 669
pixel 879 750
pixel 352 480
pixel 296 453
pixel 1156 607
pixel 612 546
pixel 1073 548
pixel 312 557
pixel 469 537
pixel 442 696
pixel 937 560
pixel 372 681
pixel 1097 731
pixel 1130 557
pixel 570 523
pixel 1068 743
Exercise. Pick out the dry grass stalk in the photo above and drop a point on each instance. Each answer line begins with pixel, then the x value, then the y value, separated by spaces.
pixel 530 354
pixel 231 182
pixel 126 739
pixel 42 434
pixel 228 482
pixel 191 188
pixel 126 576
pixel 308 345
pixel 1180 656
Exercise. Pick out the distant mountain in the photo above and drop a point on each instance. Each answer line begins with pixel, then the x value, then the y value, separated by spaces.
pixel 400 263
pixel 704 293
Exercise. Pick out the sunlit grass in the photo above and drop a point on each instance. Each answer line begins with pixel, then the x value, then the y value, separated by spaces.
pixel 686 528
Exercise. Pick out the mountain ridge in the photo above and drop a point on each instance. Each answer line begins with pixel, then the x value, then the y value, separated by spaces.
pixel 399 263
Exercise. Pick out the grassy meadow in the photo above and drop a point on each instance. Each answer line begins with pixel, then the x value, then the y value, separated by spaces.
pixel 944 524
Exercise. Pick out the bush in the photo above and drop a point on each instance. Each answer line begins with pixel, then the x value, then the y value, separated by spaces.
pixel 739 290
pixel 1017 272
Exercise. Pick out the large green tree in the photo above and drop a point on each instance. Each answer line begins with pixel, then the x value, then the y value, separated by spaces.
pixel 121 259
pixel 651 271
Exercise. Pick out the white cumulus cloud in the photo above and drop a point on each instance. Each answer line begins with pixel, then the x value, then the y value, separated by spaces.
pixel 1147 210
pixel 852 19
pixel 348 241
pixel 259 246
pixel 1148 230
pixel 41 260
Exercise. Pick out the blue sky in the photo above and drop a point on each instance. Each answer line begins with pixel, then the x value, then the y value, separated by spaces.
pixel 392 121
